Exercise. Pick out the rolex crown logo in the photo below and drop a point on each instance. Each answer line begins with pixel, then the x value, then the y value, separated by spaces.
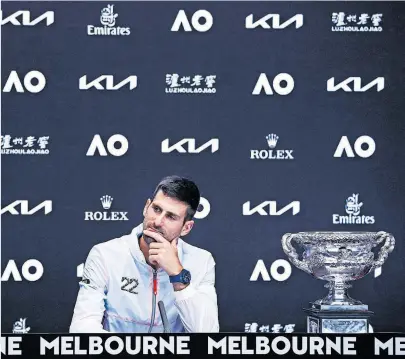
pixel 272 140
pixel 106 201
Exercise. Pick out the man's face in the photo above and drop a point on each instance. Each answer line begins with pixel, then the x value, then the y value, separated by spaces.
pixel 166 215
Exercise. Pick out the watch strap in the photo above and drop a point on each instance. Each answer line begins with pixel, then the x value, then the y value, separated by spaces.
pixel 178 278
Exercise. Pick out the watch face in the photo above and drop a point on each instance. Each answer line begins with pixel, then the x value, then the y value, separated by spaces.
pixel 186 277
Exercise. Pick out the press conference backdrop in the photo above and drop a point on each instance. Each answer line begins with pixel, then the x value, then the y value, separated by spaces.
pixel 288 115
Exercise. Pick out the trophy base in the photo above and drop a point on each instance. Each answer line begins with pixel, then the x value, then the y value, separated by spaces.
pixel 337 321
pixel 340 307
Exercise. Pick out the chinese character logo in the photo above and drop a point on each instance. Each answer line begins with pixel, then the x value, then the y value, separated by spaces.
pixel 29 145
pixel 276 328
pixel 363 18
pixel 356 22
pixel 338 18
pixel 108 17
pixel 196 84
pixel 251 327
pixel 376 19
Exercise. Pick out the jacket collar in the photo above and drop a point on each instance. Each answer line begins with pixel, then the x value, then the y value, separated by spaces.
pixel 136 252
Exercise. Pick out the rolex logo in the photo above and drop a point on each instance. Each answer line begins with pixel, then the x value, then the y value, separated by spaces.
pixel 272 153
pixel 272 140
pixel 106 201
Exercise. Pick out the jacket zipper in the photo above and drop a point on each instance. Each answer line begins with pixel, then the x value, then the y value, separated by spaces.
pixel 155 282
pixel 154 294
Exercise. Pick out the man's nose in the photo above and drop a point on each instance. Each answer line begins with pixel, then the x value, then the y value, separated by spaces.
pixel 159 220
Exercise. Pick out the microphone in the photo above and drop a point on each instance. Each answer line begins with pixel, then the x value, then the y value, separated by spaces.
pixel 162 311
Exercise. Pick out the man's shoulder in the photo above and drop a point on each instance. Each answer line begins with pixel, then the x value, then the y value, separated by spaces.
pixel 112 246
pixel 197 252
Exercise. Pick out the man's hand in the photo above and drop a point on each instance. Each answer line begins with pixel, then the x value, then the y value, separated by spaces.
pixel 164 253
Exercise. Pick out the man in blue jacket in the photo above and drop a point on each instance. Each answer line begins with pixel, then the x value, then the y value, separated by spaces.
pixel 125 277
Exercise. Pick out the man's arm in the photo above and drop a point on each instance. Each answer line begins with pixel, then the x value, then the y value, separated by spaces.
pixel 89 309
pixel 197 305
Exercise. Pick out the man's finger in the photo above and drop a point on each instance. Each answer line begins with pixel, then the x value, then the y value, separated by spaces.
pixel 153 251
pixel 156 245
pixel 156 236
pixel 153 259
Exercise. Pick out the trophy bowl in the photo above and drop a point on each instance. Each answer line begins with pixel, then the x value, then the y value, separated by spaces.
pixel 338 257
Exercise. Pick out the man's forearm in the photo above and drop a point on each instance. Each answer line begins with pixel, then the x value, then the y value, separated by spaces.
pixel 198 309
pixel 179 286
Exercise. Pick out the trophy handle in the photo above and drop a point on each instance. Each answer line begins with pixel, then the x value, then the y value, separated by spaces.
pixel 290 251
pixel 385 249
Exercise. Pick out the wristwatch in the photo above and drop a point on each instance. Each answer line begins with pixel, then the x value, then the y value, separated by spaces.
pixel 183 277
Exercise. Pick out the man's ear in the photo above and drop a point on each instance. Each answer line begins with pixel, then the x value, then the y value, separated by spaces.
pixel 147 204
pixel 187 228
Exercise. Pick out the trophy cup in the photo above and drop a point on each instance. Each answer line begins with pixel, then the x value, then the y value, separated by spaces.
pixel 338 257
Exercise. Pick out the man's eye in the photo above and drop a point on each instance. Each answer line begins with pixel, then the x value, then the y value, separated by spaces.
pixel 156 209
pixel 171 217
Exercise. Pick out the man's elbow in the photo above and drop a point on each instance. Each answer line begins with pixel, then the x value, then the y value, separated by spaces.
pixel 212 329
pixel 76 328
pixel 73 329
pixel 83 327
pixel 211 326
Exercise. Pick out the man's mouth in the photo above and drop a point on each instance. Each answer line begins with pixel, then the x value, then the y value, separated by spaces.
pixel 154 230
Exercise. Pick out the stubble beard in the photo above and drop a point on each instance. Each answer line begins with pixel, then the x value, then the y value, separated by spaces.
pixel 149 240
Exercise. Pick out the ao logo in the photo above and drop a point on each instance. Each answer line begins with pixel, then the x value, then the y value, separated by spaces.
pixel 206 209
pixel 260 270
pixel 182 20
pixel 97 144
pixel 344 146
pixel 283 84
pixel 12 270
pixel 34 82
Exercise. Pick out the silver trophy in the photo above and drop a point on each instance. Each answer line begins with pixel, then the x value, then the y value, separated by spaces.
pixel 338 257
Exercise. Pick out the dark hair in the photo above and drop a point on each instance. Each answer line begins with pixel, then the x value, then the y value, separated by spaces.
pixel 182 189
